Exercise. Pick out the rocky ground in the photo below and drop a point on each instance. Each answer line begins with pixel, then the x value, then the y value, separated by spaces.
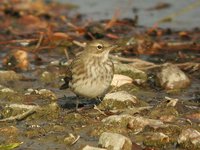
pixel 154 98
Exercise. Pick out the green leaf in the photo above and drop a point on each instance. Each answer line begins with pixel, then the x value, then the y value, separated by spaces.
pixel 9 146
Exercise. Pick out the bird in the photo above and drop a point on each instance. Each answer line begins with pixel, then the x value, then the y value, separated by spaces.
pixel 91 72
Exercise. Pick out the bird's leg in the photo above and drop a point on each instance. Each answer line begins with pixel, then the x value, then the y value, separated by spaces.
pixel 77 109
pixel 77 102
pixel 99 100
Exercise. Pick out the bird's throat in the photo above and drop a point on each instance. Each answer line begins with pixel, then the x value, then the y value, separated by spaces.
pixel 102 56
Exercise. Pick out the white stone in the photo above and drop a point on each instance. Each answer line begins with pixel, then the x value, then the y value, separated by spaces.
pixel 191 135
pixel 7 90
pixel 159 137
pixel 87 147
pixel 119 80
pixel 115 141
pixel 116 118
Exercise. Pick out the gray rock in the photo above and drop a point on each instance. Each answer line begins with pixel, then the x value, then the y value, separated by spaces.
pixel 118 100
pixel 121 96
pixel 137 75
pixel 171 77
pixel 135 123
pixel 6 76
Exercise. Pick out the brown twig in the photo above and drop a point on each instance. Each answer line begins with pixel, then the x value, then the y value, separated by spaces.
pixel 191 66
pixel 79 43
pixel 66 53
pixel 31 109
pixel 145 65
pixel 40 41
pixel 101 112
pixel 45 48
pixel 19 41
pixel 113 20
pixel 20 116
pixel 77 138
pixel 130 60
pixel 123 59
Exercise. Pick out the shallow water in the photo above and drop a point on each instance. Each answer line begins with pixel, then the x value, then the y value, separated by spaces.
pixel 104 9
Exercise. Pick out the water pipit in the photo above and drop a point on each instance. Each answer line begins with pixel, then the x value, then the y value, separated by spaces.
pixel 91 72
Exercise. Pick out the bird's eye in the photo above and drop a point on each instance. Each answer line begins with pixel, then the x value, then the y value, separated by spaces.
pixel 99 46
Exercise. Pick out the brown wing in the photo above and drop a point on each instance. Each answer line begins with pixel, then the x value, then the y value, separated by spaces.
pixel 78 61
pixel 67 79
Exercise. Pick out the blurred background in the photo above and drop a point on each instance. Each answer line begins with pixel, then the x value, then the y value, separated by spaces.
pixel 185 13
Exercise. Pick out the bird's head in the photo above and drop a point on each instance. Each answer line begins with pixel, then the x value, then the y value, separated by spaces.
pixel 99 48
